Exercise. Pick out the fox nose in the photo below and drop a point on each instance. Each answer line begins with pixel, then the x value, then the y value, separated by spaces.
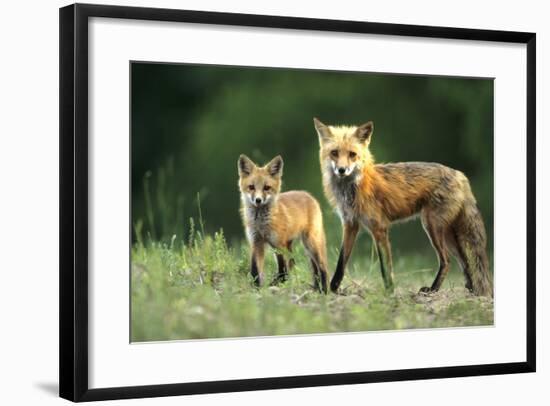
pixel 258 200
pixel 341 170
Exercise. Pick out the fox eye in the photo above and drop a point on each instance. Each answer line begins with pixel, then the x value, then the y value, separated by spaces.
pixel 267 188
pixel 334 153
pixel 251 187
pixel 352 154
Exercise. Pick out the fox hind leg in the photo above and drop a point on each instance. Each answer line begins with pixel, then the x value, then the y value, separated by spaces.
pixel 319 278
pixel 282 272
pixel 437 232
pixel 454 248
pixel 386 267
pixel 316 251
pixel 379 233
pixel 290 262
pixel 283 265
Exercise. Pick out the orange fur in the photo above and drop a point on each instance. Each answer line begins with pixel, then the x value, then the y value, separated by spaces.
pixel 277 219
pixel 376 195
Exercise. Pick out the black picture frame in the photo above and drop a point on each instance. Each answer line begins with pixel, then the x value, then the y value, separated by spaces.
pixel 73 278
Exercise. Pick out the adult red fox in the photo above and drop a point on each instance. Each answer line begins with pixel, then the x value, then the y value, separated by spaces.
pixel 277 219
pixel 376 195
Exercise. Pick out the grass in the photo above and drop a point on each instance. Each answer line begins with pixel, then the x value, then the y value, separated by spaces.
pixel 201 288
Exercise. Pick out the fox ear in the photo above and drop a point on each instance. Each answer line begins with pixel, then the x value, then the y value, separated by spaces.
pixel 245 165
pixel 364 132
pixel 275 167
pixel 322 130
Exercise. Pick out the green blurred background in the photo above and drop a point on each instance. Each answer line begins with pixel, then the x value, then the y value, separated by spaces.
pixel 190 123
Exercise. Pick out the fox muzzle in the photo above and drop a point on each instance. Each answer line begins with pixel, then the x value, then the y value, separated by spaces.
pixel 257 199
pixel 342 171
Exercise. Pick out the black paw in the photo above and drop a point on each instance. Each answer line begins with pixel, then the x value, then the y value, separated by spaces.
pixel 426 290
pixel 258 280
pixel 277 281
pixel 318 288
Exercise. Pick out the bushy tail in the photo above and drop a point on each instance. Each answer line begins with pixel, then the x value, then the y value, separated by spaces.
pixel 469 232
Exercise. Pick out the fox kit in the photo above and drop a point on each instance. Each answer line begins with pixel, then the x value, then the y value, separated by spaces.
pixel 375 196
pixel 277 219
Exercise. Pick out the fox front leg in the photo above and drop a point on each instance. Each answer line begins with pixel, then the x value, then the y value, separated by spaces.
pixel 257 263
pixel 349 235
pixel 383 247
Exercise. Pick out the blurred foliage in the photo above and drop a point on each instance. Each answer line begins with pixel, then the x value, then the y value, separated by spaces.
pixel 190 123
